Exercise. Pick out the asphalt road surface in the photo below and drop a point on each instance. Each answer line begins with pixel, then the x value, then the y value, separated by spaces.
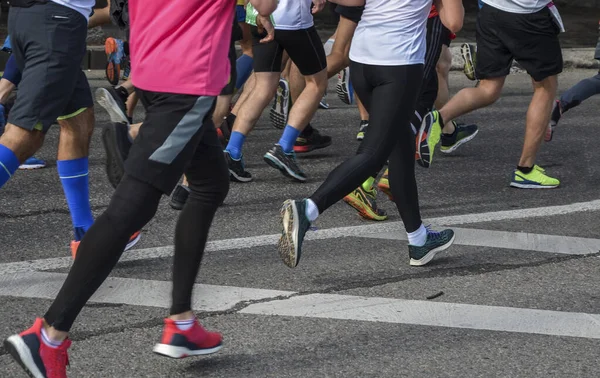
pixel 517 295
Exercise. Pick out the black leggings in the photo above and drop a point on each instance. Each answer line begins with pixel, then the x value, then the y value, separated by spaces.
pixel 389 94
pixel 131 207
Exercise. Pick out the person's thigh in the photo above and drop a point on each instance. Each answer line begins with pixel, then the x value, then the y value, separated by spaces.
pixel 267 56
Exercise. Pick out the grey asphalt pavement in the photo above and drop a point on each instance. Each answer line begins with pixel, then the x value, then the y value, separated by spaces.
pixel 468 189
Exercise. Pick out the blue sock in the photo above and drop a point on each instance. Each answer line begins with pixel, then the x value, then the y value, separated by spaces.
pixel 74 178
pixel 234 147
pixel 11 71
pixel 288 139
pixel 8 164
pixel 243 68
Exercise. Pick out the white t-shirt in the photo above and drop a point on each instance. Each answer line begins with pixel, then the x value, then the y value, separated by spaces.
pixel 518 6
pixel 82 6
pixel 391 33
pixel 293 15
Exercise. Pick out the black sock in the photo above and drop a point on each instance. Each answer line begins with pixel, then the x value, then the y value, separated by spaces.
pixel 307 130
pixel 230 119
pixel 525 170
pixel 452 133
pixel 441 120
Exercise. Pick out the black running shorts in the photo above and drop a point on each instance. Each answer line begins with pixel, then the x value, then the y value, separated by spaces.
pixel 49 43
pixel 173 127
pixel 304 47
pixel 531 39
pixel 353 14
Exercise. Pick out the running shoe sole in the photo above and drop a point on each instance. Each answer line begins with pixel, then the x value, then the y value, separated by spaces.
pixel 459 143
pixel 362 211
pixel 22 355
pixel 113 70
pixel 429 256
pixel 467 55
pixel 233 176
pixel 343 91
pixel 532 186
pixel 431 138
pixel 277 114
pixel 277 164
pixel 309 148
pixel 133 242
pixel 288 242
pixel 110 105
pixel 29 167
pixel 182 352
pixel 115 167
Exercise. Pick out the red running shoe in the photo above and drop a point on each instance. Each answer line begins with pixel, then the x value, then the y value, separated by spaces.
pixel 36 358
pixel 195 341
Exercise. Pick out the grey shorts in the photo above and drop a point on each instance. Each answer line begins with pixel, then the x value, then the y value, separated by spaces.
pixel 49 43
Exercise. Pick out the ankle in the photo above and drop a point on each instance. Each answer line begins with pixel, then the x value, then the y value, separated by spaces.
pixel 183 316
pixel 54 335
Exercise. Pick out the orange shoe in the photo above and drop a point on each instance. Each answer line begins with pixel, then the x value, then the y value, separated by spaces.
pixel 384 185
pixel 114 53
pixel 133 240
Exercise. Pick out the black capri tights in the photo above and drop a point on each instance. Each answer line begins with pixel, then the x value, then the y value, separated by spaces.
pixel 389 94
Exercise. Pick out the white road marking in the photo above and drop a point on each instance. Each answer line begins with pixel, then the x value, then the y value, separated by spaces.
pixel 437 314
pixel 151 293
pixel 134 291
pixel 331 233
pixel 513 240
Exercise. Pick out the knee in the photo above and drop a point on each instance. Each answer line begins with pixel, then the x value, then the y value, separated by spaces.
pixel 489 92
pixel 211 192
pixel 23 143
pixel 317 82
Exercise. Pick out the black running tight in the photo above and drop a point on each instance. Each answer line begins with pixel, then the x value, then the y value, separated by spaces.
pixel 132 206
pixel 389 93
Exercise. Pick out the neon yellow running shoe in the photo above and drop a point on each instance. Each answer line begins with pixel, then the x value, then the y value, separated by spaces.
pixel 365 203
pixel 536 179
pixel 384 185
pixel 428 138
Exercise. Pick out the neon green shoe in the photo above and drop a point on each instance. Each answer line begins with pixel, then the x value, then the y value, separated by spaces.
pixel 365 202
pixel 428 138
pixel 536 179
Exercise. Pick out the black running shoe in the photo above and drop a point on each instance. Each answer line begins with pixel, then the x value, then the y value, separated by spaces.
pixel 117 145
pixel 311 140
pixel 362 130
pixel 179 196
pixel 286 163
pixel 237 172
pixel 462 134
pixel 113 101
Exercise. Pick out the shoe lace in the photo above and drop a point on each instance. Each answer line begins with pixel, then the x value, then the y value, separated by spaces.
pixel 434 235
pixel 56 361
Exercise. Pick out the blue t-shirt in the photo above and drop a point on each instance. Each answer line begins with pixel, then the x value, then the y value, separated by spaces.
pixel 480 4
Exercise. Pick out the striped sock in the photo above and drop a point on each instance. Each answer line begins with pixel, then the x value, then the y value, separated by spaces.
pixel 48 341
pixel 184 325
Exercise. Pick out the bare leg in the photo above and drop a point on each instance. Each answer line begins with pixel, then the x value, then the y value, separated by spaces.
pixel 364 114
pixel 75 135
pixel 6 88
pixel 469 99
pixel 23 143
pixel 538 117
pixel 307 103
pixel 255 102
pixel 221 109
pixel 248 89
pixel 443 70
pixel 131 103
pixel 100 17
pixel 134 130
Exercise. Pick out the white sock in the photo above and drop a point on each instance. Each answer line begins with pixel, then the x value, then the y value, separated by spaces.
pixel 312 212
pixel 48 341
pixel 419 237
pixel 328 46
pixel 184 325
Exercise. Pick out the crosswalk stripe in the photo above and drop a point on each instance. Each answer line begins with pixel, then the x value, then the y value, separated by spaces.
pixel 429 313
pixel 138 292
pixel 134 292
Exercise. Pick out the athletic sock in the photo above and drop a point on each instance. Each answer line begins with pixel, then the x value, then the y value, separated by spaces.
pixel 75 182
pixel 288 139
pixel 454 132
pixel 368 184
pixel 308 130
pixel 184 325
pixel 48 341
pixel 243 67
pixel 122 92
pixel 441 120
pixel 9 163
pixel 312 211
pixel 418 238
pixel 525 170
pixel 235 145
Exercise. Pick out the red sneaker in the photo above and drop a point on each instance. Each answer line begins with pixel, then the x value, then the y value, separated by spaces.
pixel 35 357
pixel 195 341
pixel 133 240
